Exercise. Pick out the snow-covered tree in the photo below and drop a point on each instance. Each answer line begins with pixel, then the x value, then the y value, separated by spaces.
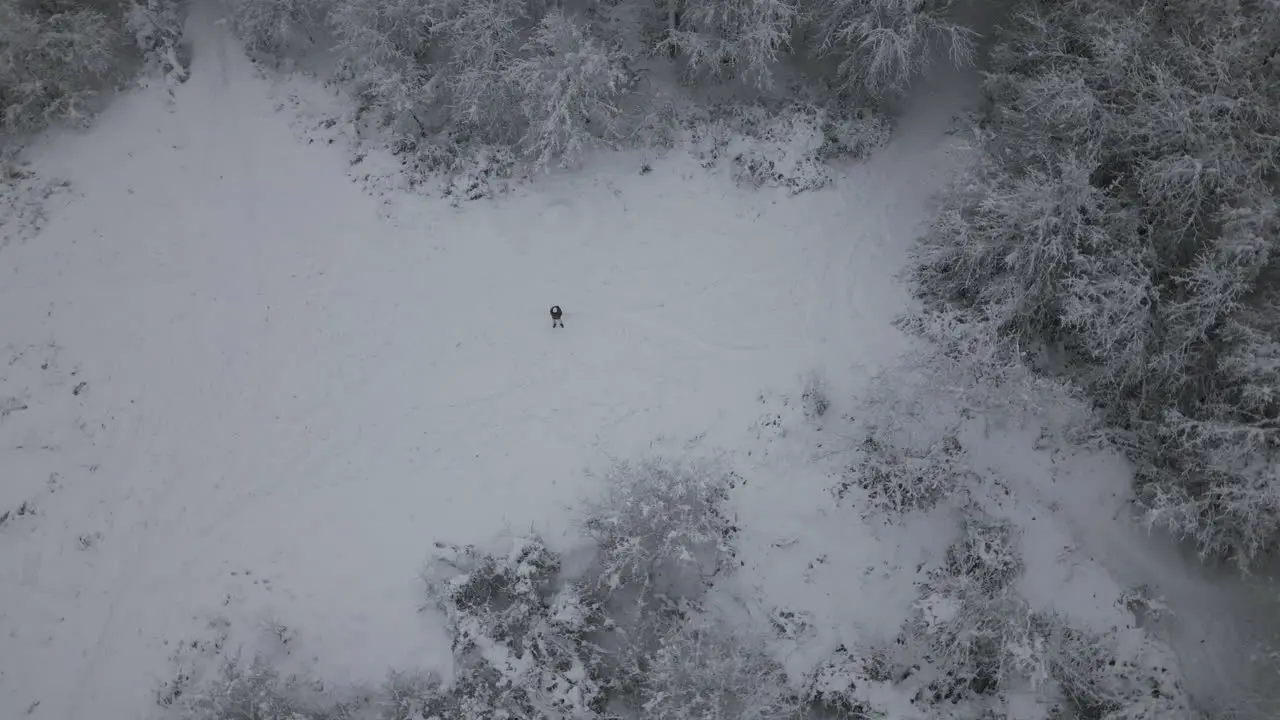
pixel 276 26
pixel 520 634
pixel 569 85
pixel 731 39
pixel 883 44
pixel 51 63
pixel 1125 214
pixel 481 40
pixel 385 49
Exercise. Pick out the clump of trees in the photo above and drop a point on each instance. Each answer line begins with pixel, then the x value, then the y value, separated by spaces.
pixel 973 643
pixel 541 83
pixel 1121 231
pixel 628 629
pixel 56 56
pixel 630 633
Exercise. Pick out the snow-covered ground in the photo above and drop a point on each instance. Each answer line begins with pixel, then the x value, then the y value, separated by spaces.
pixel 236 387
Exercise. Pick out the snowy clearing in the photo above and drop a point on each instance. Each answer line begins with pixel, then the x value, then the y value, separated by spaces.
pixel 238 389
pixel 287 399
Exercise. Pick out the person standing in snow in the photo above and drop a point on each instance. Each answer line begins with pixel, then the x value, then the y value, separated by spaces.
pixel 556 314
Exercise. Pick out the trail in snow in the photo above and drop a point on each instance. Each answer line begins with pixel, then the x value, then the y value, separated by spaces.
pixel 290 399
pixel 1223 628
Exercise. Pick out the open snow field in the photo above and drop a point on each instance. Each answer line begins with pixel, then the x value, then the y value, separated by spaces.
pixel 287 399
pixel 236 387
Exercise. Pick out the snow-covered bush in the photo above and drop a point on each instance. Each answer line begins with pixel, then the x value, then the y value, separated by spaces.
pixel 520 634
pixel 790 146
pixel 963 363
pixel 815 398
pixel 973 644
pixel 899 479
pixel 782 152
pixel 662 534
pixel 908 456
pixel 24 198
pixel 52 63
pixel 705 670
pixel 156 27
pixel 852 686
pixel 477 172
pixel 662 527
pixel 974 633
pixel 274 27
pixel 1101 680
pixel 252 690
pixel 1124 215
pixel 883 44
pixel 970 639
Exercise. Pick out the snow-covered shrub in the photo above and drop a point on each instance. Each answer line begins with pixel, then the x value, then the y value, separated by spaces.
pixel 1229 514
pixel 520 634
pixel 815 398
pixel 883 44
pixel 621 637
pixel 52 64
pixel 789 146
pixel 410 696
pixel 568 84
pixel 1124 214
pixel 972 634
pixel 274 27
pixel 156 27
pixel 705 670
pixel 973 642
pixel 477 172
pixel 852 686
pixel 908 457
pixel 899 479
pixel 24 200
pixel 964 363
pixel 782 152
pixel 254 690
pixel 1102 680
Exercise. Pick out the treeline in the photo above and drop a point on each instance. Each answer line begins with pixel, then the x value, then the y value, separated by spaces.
pixel 541 81
pixel 1122 231
pixel 57 56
